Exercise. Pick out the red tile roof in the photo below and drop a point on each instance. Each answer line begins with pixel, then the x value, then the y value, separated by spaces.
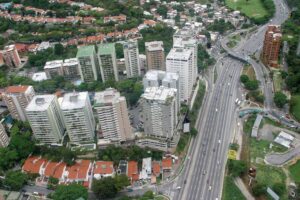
pixel 156 168
pixel 79 170
pixel 104 167
pixel 167 163
pixel 33 164
pixel 17 89
pixel 132 170
pixel 54 169
pixel 59 170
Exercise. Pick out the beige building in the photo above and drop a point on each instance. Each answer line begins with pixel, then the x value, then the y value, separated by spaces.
pixel 16 99
pixel 112 114
pixel 54 68
pixel 11 56
pixel 4 139
pixel 155 55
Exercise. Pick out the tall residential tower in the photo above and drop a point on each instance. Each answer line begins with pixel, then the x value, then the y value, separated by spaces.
pixel 107 61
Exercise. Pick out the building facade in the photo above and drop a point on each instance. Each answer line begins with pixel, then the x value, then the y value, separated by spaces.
pixel 160 112
pixel 17 98
pixel 155 55
pixel 107 61
pixel 112 114
pixel 180 61
pixel 71 69
pixel 88 65
pixel 271 47
pixel 78 117
pixel 131 55
pixel 11 56
pixel 54 68
pixel 45 118
pixel 4 139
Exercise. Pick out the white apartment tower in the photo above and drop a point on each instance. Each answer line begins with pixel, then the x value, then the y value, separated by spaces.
pixel 45 119
pixel 4 139
pixel 78 117
pixel 112 114
pixel 180 61
pixel 184 38
pixel 160 112
pixel 17 98
pixel 131 55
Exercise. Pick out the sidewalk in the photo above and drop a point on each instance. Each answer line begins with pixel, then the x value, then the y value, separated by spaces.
pixel 240 184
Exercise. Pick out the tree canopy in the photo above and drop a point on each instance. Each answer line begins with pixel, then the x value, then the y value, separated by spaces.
pixel 280 99
pixel 71 191
pixel 15 180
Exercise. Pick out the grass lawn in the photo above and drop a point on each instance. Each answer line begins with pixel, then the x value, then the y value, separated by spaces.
pixel 295 171
pixel 231 191
pixel 277 81
pixel 184 139
pixel 259 148
pixel 251 8
pixel 249 71
pixel 232 43
pixel 269 175
pixel 295 109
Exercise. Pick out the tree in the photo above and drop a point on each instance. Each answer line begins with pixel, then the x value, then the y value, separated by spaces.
pixel 279 188
pixel 251 85
pixel 244 78
pixel 162 10
pixel 15 180
pixel 104 188
pixel 52 182
pixel 280 99
pixel 236 167
pixel 22 143
pixel 194 131
pixel 259 189
pixel 121 181
pixel 58 49
pixel 7 158
pixel 72 191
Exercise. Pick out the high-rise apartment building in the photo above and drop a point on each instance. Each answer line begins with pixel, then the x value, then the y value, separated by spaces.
pixel 131 55
pixel 54 68
pixel 4 139
pixel 11 56
pixel 180 61
pixel 78 117
pixel 45 118
pixel 112 114
pixel 155 55
pixel 185 38
pixel 160 112
pixel 107 61
pixel 271 47
pixel 17 98
pixel 157 78
pixel 71 69
pixel 88 65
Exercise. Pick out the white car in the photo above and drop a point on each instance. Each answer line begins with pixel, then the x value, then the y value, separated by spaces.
pixel 178 188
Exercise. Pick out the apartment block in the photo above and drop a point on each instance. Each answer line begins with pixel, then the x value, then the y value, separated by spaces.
pixel 131 55
pixel 88 65
pixel 4 139
pixel 11 56
pixel 180 61
pixel 78 117
pixel 45 118
pixel 71 69
pixel 54 68
pixel 107 61
pixel 271 47
pixel 112 114
pixel 160 112
pixel 17 98
pixel 155 55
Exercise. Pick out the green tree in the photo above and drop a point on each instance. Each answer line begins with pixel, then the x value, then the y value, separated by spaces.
pixel 104 188
pixel 72 191
pixel 279 188
pixel 259 189
pixel 244 78
pixel 251 85
pixel 58 49
pixel 15 180
pixel 7 158
pixel 22 143
pixel 52 182
pixel 236 167
pixel 194 131
pixel 162 10
pixel 280 99
pixel 121 181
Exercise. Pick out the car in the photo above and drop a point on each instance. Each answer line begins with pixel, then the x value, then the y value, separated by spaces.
pixel 209 188
pixel 129 190
pixel 216 109
pixel 219 141
pixel 204 172
pixel 178 188
pixel 184 182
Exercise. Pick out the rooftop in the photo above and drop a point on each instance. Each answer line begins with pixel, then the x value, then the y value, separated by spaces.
pixel 33 164
pixel 74 100
pixel 104 167
pixel 154 46
pixel 70 61
pixel 53 64
pixel 85 51
pixel 160 75
pixel 40 102
pixel 159 93
pixel 17 89
pixel 106 48
pixel 110 95
pixel 166 163
pixel 179 53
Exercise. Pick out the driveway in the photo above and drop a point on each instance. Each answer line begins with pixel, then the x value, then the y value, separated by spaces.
pixel 279 159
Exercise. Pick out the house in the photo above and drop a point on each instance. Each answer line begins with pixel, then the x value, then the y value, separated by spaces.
pixel 122 168
pixel 132 171
pixel 121 19
pixel 166 164
pixel 156 168
pixel 146 169
pixel 33 165
pixel 103 169
pixel 79 172
pixel 55 169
